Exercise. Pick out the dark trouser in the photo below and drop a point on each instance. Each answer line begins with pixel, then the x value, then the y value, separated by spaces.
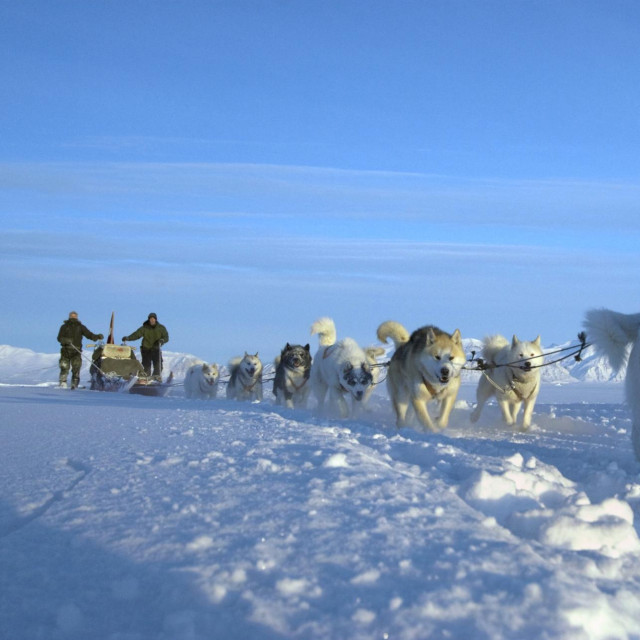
pixel 71 361
pixel 151 357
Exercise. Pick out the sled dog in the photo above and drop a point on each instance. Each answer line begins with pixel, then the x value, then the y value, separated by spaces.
pixel 293 368
pixel 341 368
pixel 616 336
pixel 245 382
pixel 513 385
pixel 201 381
pixel 425 366
pixel 372 354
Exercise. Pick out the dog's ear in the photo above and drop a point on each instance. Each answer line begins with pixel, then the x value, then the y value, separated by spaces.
pixel 456 337
pixel 288 346
pixel 431 336
pixel 256 355
pixel 307 347
pixel 245 354
pixel 515 342
pixel 537 341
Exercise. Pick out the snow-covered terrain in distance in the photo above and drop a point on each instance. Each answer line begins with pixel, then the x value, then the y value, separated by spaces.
pixel 41 368
pixel 126 517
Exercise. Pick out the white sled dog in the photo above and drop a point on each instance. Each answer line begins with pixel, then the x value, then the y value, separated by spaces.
pixel 245 382
pixel 372 353
pixel 201 381
pixel 340 368
pixel 426 366
pixel 616 336
pixel 291 383
pixel 512 385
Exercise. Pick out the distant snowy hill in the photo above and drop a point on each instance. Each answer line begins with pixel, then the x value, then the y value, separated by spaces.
pixel 24 366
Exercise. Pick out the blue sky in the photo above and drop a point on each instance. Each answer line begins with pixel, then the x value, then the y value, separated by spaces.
pixel 243 167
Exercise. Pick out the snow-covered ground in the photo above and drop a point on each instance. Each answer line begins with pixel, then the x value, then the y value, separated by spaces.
pixel 132 518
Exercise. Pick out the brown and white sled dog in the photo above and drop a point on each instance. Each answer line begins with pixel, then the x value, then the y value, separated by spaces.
pixel 513 385
pixel 341 368
pixel 245 382
pixel 291 384
pixel 426 366
pixel 616 335
pixel 201 381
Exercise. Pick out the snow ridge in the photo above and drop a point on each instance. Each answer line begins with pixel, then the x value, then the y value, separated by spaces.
pixel 23 366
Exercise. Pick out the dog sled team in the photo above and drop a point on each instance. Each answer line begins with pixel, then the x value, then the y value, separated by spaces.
pixel 425 367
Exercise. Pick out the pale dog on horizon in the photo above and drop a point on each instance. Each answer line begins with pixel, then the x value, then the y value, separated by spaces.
pixel 201 381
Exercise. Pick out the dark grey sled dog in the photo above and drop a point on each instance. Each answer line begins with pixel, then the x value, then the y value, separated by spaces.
pixel 291 384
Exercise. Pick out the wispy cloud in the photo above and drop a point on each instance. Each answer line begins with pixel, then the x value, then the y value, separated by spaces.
pixel 246 246
pixel 311 191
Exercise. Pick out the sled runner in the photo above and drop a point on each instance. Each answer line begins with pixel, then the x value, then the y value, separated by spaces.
pixel 150 387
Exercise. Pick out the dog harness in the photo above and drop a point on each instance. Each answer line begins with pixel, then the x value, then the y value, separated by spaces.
pixel 249 388
pixel 327 351
pixel 430 388
pixel 511 387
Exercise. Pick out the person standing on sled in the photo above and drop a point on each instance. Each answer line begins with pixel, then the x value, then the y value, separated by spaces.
pixel 153 335
pixel 70 339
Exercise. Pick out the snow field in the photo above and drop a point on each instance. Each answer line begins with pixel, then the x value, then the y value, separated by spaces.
pixel 132 517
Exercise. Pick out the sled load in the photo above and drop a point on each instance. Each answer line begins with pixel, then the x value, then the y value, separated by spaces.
pixel 116 368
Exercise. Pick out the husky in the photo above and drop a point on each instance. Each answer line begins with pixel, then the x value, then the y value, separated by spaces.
pixel 425 366
pixel 616 336
pixel 293 368
pixel 512 376
pixel 245 382
pixel 201 381
pixel 372 353
pixel 339 367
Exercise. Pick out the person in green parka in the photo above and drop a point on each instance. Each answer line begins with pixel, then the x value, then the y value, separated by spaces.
pixel 153 335
pixel 70 339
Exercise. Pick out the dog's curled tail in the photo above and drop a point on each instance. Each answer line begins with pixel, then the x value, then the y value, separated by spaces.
pixel 326 330
pixel 491 345
pixel 374 352
pixel 611 332
pixel 394 330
